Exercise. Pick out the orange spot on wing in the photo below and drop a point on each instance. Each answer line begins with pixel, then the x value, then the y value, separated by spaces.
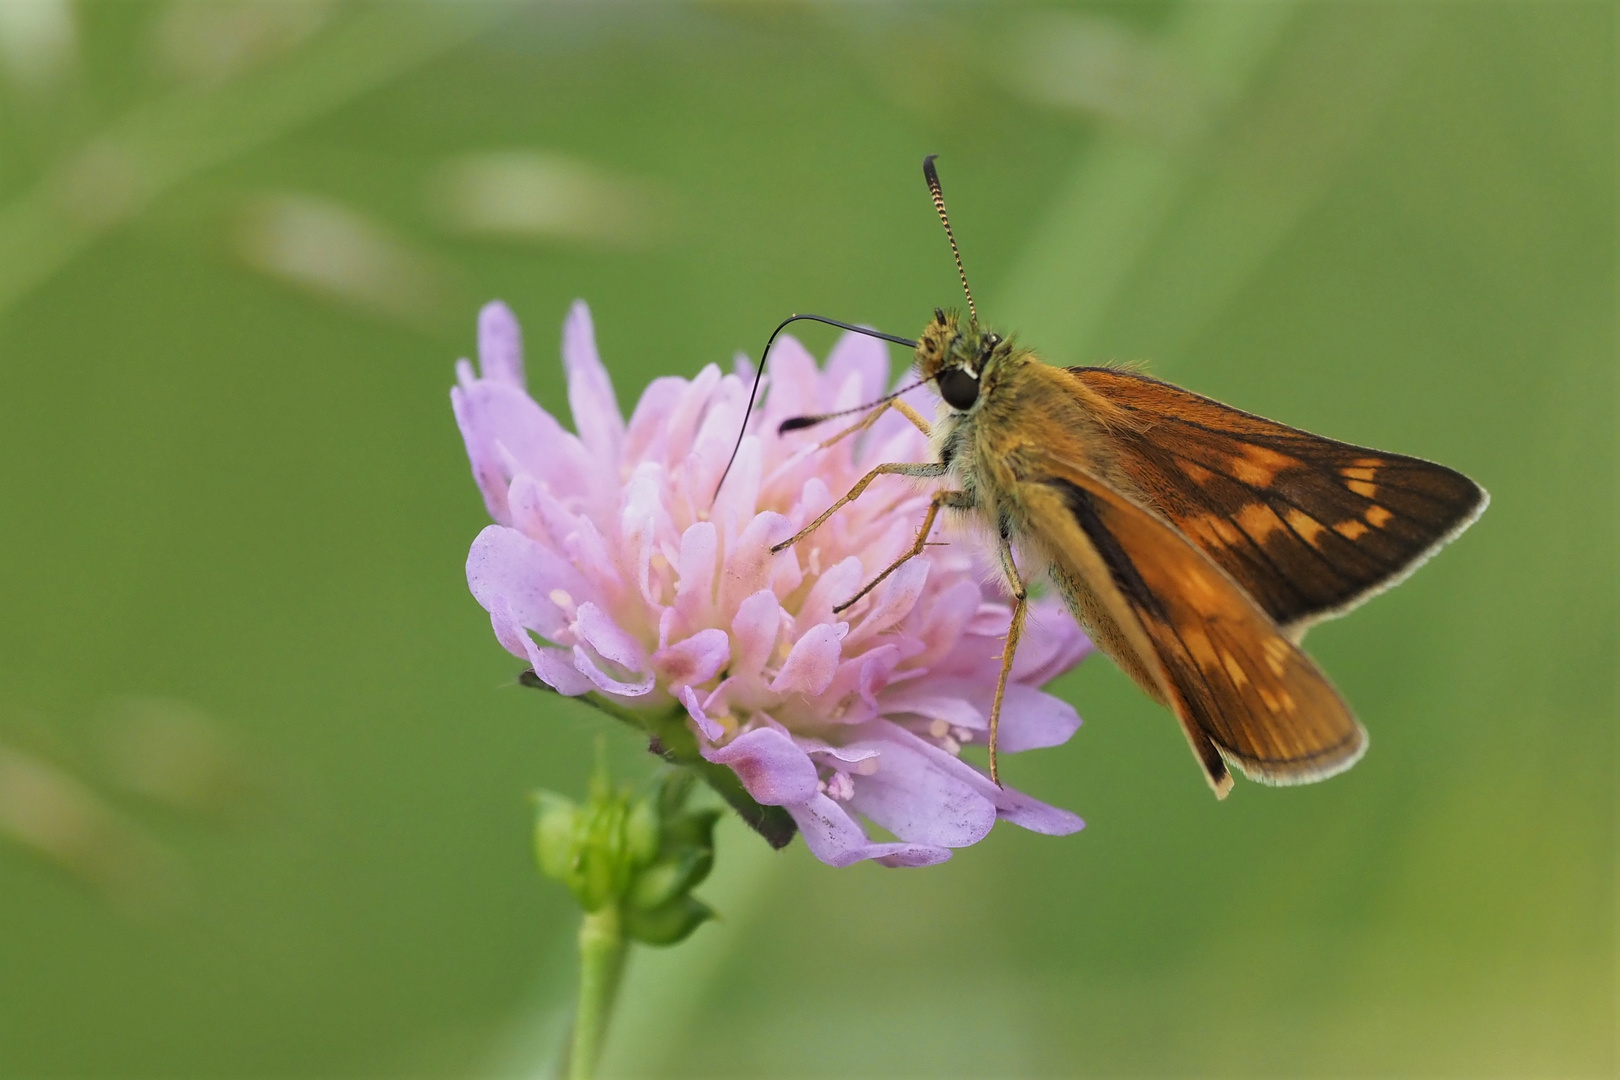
pixel 1368 462
pixel 1307 527
pixel 1234 671
pixel 1195 472
pixel 1362 473
pixel 1377 516
pixel 1276 650
pixel 1259 521
pixel 1362 488
pixel 1202 651
pixel 1258 467
pixel 1211 530
pixel 1350 530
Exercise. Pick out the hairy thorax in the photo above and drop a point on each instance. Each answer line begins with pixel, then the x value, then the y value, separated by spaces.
pixel 1029 418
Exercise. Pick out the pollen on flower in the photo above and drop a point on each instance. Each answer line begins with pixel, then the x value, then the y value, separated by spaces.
pixel 839 786
pixel 666 600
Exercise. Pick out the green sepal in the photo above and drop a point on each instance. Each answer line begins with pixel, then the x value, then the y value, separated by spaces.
pixel 692 829
pixel 672 741
pixel 668 923
pixel 674 791
pixel 670 877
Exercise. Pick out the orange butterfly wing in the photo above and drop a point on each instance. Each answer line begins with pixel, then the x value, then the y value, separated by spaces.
pixel 1241 689
pixel 1309 527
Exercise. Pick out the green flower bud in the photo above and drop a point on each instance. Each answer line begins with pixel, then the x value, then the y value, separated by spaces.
pixel 641 832
pixel 670 877
pixel 669 923
pixel 554 828
pixel 643 856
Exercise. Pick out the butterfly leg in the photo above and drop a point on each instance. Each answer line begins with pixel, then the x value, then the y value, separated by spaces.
pixel 872 417
pixel 956 500
pixel 1015 629
pixel 919 469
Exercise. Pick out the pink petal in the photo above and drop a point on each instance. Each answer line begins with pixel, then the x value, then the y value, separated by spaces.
pixel 928 699
pixel 794 386
pixel 738 500
pixel 553 666
pixel 694 589
pixel 645 436
pixel 894 600
pixel 833 837
pixel 503 427
pixel 863 675
pixel 915 800
pixel 755 629
pixel 642 520
pixel 716 436
pixel 556 669
pixel 945 617
pixel 836 584
pixel 598 630
pixel 866 359
pixel 489 472
pixel 605 681
pixel 1033 720
pixel 812 662
pixel 1013 806
pixel 696 660
pixel 694 708
pixel 747 564
pixel 504 566
pixel 681 424
pixel 774 771
pixel 590 390
pixel 500 345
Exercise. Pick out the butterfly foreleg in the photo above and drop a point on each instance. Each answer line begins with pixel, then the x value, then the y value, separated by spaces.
pixel 1015 583
pixel 924 470
pixel 956 500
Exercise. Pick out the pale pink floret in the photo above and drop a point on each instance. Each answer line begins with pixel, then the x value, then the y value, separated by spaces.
pixel 610 571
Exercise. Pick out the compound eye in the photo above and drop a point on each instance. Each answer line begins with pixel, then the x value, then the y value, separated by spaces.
pixel 959 389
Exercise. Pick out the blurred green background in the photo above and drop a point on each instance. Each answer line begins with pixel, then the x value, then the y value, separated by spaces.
pixel 263 768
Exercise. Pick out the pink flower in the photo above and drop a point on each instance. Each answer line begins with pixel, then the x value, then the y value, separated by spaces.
pixel 612 573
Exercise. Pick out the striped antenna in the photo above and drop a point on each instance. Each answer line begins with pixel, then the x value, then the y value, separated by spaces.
pixel 932 176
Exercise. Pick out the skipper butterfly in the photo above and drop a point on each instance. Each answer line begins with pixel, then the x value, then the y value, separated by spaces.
pixel 1194 542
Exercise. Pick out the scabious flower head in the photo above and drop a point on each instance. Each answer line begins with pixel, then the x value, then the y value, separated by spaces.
pixel 614 570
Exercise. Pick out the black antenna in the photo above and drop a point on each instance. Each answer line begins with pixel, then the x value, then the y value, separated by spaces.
pixel 799 423
pixel 760 372
pixel 932 176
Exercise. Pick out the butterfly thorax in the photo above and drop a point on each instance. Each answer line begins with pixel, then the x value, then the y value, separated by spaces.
pixel 1005 415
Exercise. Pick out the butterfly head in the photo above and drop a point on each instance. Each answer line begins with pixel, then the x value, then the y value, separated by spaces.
pixel 960 358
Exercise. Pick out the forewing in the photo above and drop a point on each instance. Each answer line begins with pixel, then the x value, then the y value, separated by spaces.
pixel 1230 674
pixel 1308 526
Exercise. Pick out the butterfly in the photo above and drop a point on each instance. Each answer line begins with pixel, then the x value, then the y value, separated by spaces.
pixel 1194 542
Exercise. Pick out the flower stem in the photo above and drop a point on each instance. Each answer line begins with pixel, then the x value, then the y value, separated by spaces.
pixel 601 962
